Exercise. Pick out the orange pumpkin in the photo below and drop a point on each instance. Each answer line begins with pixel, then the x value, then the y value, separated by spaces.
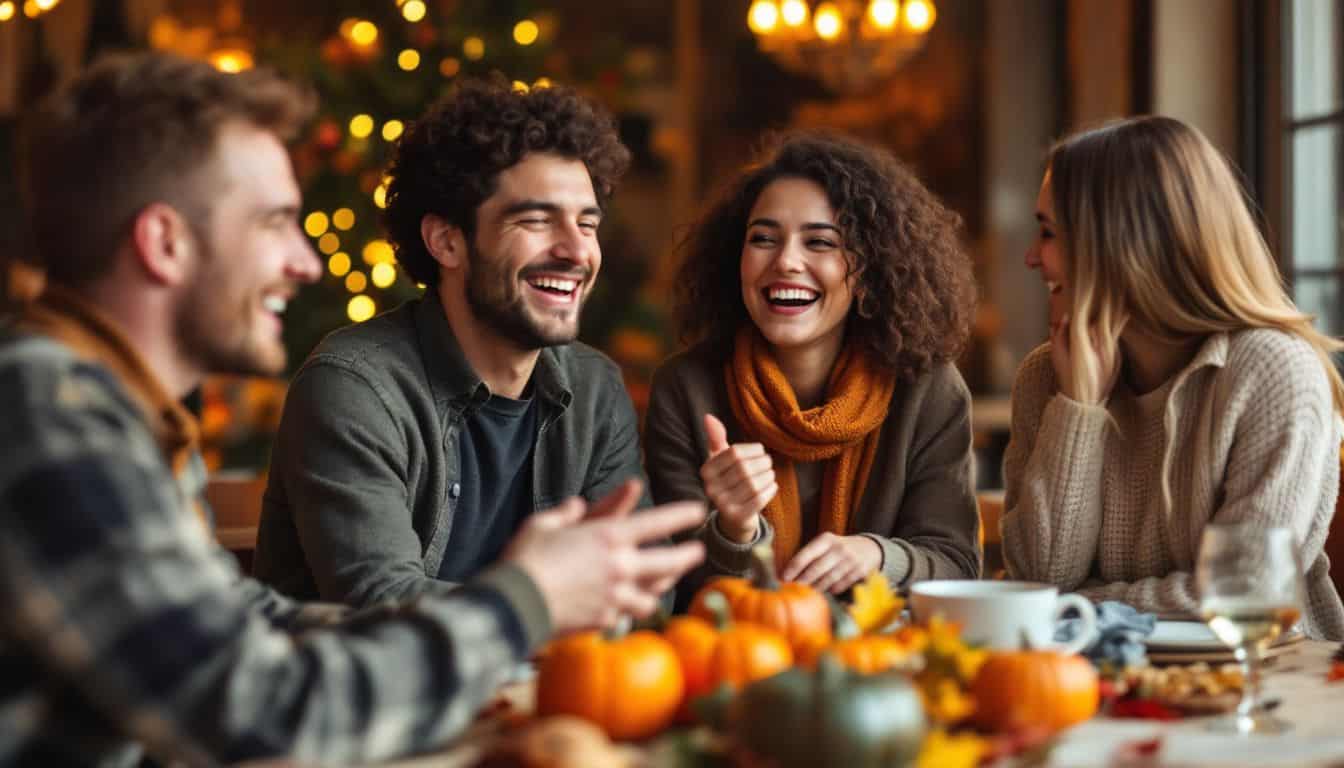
pixel 732 653
pixel 865 653
pixel 630 686
pixel 798 611
pixel 1020 689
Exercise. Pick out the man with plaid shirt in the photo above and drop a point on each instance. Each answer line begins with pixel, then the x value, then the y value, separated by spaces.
pixel 164 211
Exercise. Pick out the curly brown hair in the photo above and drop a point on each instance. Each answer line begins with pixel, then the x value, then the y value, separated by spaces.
pixel 915 292
pixel 449 161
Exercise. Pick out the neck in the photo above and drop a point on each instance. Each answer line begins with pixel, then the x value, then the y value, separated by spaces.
pixel 808 369
pixel 502 365
pixel 147 321
pixel 1149 362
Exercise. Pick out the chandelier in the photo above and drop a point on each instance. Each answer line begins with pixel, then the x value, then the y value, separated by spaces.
pixel 849 45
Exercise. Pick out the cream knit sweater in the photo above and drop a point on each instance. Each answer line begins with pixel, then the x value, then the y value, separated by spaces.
pixel 1246 431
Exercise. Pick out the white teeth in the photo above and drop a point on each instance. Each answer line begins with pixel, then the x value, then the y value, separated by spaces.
pixel 1053 287
pixel 785 294
pixel 555 284
pixel 274 304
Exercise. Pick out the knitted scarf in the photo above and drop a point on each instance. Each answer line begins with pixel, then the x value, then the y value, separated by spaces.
pixel 843 431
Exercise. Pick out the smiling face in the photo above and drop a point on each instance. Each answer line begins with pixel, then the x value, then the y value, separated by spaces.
pixel 535 254
pixel 252 256
pixel 1047 253
pixel 795 273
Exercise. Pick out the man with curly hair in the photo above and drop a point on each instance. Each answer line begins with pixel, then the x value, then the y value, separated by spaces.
pixel 414 445
pixel 129 633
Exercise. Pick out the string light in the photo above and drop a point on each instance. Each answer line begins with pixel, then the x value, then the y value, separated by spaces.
pixel 363 33
pixel 449 66
pixel 361 126
pixel 339 263
pixel 542 82
pixel 343 219
pixel 413 10
pixel 315 224
pixel 520 87
pixel 383 274
pixel 526 32
pixel 378 252
pixel 360 308
pixel 827 21
pixel 794 13
pixel 762 16
pixel 392 130
pixel 329 243
pixel 356 282
pixel 46 5
pixel 408 59
pixel 30 9
pixel 919 15
pixel 884 13
pixel 380 196
pixel 7 10
pixel 473 48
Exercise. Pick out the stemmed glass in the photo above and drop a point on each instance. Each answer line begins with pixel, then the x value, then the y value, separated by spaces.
pixel 1250 586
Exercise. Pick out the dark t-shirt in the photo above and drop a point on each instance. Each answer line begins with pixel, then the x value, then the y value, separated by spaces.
pixel 495 493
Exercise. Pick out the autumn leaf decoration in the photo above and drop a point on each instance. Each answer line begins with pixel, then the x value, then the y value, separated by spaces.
pixel 876 608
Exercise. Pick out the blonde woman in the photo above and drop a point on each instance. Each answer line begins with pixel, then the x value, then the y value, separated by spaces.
pixel 1180 385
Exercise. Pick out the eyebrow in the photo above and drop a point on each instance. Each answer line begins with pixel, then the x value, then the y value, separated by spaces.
pixel 286 210
pixel 811 225
pixel 544 206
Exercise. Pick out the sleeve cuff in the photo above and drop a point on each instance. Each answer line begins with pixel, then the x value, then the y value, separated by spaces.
pixel 896 563
pixel 521 595
pixel 726 556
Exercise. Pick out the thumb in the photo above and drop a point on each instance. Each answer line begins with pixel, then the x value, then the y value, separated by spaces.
pixel 568 512
pixel 716 433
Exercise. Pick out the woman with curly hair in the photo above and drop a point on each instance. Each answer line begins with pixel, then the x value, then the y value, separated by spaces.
pixel 1180 386
pixel 821 411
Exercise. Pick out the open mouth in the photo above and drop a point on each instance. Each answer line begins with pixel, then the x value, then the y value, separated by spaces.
pixel 562 289
pixel 1053 287
pixel 275 304
pixel 790 297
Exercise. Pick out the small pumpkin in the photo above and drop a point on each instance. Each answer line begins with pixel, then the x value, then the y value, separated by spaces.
pixel 828 716
pixel 725 653
pixel 798 611
pixel 857 651
pixel 630 686
pixel 1034 688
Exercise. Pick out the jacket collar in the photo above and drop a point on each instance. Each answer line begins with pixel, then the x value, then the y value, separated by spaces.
pixel 1212 354
pixel 67 318
pixel 451 376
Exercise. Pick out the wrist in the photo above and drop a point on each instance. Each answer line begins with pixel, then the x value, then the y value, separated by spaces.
pixel 739 533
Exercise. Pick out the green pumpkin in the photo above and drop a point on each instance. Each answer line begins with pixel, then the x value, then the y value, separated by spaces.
pixel 831 716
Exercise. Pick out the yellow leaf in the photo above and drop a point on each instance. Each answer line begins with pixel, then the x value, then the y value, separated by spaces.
pixel 944 750
pixel 875 604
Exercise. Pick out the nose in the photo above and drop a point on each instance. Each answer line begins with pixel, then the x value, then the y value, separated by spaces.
pixel 790 257
pixel 1034 256
pixel 574 246
pixel 303 265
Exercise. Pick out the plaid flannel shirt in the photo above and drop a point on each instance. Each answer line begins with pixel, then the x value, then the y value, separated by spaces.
pixel 128 630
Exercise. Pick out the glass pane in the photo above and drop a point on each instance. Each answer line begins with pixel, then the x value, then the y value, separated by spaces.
pixel 1321 296
pixel 1315 185
pixel 1315 52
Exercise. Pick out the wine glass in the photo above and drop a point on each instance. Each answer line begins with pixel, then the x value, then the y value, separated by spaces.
pixel 1249 579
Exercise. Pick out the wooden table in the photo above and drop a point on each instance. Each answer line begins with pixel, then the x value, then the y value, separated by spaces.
pixel 1314 707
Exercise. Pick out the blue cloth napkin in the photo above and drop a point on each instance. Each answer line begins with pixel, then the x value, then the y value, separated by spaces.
pixel 1121 630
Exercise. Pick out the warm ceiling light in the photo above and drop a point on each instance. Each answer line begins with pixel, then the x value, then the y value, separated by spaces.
pixel 919 15
pixel 526 32
pixel 473 48
pixel 794 13
pixel 413 10
pixel 408 59
pixel 763 17
pixel 363 33
pixel 361 126
pixel 6 10
pixel 360 308
pixel 827 21
pixel 884 13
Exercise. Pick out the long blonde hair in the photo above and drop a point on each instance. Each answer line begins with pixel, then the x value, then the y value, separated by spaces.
pixel 1158 234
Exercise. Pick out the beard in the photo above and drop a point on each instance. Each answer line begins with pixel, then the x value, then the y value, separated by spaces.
pixel 217 321
pixel 497 300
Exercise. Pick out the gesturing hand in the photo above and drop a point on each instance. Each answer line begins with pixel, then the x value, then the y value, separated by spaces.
pixel 739 481
pixel 589 565
pixel 834 563
pixel 1105 352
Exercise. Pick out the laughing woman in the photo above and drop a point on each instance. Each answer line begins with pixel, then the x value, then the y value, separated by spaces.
pixel 821 411
pixel 1180 385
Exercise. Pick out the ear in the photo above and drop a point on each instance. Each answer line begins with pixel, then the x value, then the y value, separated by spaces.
pixel 445 241
pixel 163 243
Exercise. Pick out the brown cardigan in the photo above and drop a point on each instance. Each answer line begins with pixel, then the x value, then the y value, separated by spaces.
pixel 919 505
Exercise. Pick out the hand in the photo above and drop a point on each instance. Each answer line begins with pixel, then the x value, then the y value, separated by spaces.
pixel 739 481
pixel 587 561
pixel 1106 353
pixel 834 563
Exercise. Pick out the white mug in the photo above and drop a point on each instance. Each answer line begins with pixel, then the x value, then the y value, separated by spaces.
pixel 999 614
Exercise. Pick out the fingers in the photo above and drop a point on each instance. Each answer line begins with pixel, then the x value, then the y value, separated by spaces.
pixel 716 434
pixel 619 502
pixel 805 556
pixel 731 458
pixel 819 567
pixel 659 522
pixel 662 563
pixel 569 512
